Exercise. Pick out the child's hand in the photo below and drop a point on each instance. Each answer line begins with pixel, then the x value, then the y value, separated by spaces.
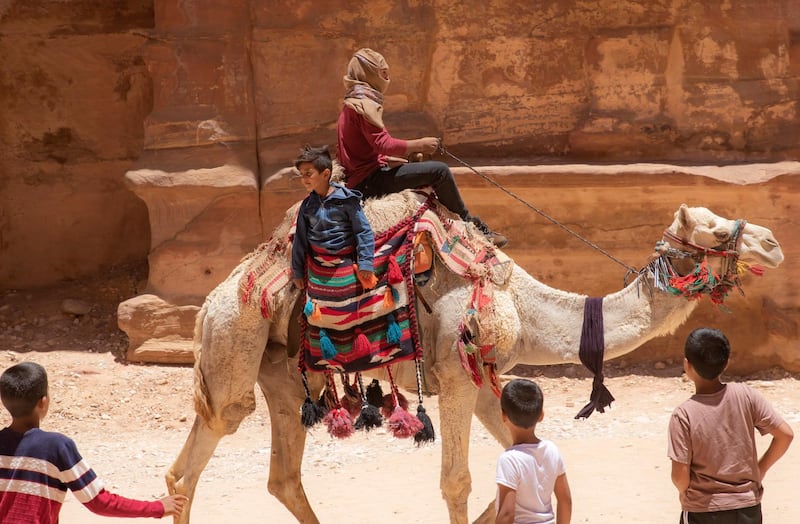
pixel 173 504
pixel 298 283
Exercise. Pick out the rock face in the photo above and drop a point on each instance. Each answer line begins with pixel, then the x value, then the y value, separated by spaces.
pixel 161 128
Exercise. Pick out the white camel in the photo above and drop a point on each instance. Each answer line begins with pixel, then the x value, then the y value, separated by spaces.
pixel 236 347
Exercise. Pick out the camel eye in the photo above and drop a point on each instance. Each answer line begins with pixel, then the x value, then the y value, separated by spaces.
pixel 721 236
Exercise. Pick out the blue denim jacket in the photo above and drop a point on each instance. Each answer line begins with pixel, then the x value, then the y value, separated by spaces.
pixel 331 224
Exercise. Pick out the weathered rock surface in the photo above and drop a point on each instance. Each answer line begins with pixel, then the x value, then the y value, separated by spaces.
pixel 203 106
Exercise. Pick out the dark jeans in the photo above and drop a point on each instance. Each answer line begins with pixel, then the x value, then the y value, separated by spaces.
pixel 751 515
pixel 415 174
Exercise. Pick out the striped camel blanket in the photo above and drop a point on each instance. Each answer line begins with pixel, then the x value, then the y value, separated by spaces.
pixel 348 328
pixel 341 316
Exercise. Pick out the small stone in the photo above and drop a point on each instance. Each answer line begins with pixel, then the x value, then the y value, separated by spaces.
pixel 73 306
pixel 660 365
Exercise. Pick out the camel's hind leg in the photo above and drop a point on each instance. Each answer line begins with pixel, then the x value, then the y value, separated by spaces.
pixel 282 387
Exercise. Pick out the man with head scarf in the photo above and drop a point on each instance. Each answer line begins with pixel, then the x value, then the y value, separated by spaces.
pixel 374 162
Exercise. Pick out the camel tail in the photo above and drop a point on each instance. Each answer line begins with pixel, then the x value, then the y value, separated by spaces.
pixel 201 400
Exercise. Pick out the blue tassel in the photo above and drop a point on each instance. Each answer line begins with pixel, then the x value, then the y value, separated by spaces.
pixel 394 333
pixel 308 309
pixel 326 345
pixel 396 295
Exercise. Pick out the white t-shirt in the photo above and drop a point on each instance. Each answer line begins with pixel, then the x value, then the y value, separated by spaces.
pixel 531 470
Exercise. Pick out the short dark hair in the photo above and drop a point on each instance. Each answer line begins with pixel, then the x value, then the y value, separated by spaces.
pixel 708 351
pixel 320 157
pixel 22 386
pixel 522 401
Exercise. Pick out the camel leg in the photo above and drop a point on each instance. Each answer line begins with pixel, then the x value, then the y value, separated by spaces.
pixel 184 473
pixel 488 412
pixel 283 390
pixel 456 404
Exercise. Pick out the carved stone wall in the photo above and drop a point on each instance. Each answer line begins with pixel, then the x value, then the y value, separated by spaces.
pixel 158 128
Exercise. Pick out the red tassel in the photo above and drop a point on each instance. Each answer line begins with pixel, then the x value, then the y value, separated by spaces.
pixel 756 269
pixel 361 344
pixel 339 423
pixel 395 274
pixel 247 291
pixel 389 405
pixel 403 424
pixel 265 303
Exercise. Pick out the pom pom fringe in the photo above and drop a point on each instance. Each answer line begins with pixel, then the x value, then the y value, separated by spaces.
pixel 403 424
pixel 326 345
pixel 339 423
pixel 370 417
pixel 426 433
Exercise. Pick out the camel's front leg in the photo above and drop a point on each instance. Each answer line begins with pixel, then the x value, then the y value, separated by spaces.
pixel 184 473
pixel 488 412
pixel 457 398
pixel 283 390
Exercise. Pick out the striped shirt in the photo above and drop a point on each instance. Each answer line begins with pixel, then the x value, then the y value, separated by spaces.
pixel 36 470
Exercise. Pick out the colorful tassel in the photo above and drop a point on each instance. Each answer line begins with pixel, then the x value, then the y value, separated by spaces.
pixel 339 423
pixel 361 344
pixel 374 393
pixel 395 275
pixel 370 417
pixel 742 267
pixel 311 413
pixel 425 433
pixel 403 424
pixel 308 309
pixel 366 283
pixel 326 345
pixel 316 314
pixel 393 332
pixel 388 298
pixel 265 303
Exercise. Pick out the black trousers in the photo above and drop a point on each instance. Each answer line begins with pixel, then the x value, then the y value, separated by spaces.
pixel 751 515
pixel 415 174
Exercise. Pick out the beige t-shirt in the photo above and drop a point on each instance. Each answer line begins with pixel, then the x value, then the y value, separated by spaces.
pixel 715 435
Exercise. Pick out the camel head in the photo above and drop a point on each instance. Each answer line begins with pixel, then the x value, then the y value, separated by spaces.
pixel 697 226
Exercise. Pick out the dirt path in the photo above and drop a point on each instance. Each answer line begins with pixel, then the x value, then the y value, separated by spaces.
pixel 130 421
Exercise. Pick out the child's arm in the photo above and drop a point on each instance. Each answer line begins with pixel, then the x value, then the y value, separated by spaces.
pixel 299 250
pixel 111 505
pixel 365 239
pixel 506 504
pixel 680 476
pixel 781 439
pixel 563 500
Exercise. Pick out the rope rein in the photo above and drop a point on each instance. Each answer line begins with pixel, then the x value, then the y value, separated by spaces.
pixel 443 150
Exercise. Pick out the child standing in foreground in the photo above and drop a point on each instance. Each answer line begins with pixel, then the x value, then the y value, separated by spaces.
pixel 712 445
pixel 37 467
pixel 330 219
pixel 531 471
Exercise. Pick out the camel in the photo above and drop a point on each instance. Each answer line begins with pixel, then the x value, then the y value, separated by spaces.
pixel 236 348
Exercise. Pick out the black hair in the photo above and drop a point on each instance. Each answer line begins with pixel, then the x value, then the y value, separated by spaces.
pixel 22 386
pixel 320 157
pixel 521 401
pixel 708 351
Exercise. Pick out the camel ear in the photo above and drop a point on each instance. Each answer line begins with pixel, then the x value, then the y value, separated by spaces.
pixel 684 217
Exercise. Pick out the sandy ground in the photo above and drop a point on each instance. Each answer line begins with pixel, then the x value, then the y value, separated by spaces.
pixel 130 421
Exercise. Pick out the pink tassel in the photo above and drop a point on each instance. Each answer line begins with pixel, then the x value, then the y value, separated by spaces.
pixel 395 274
pixel 403 424
pixel 389 406
pixel 339 423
